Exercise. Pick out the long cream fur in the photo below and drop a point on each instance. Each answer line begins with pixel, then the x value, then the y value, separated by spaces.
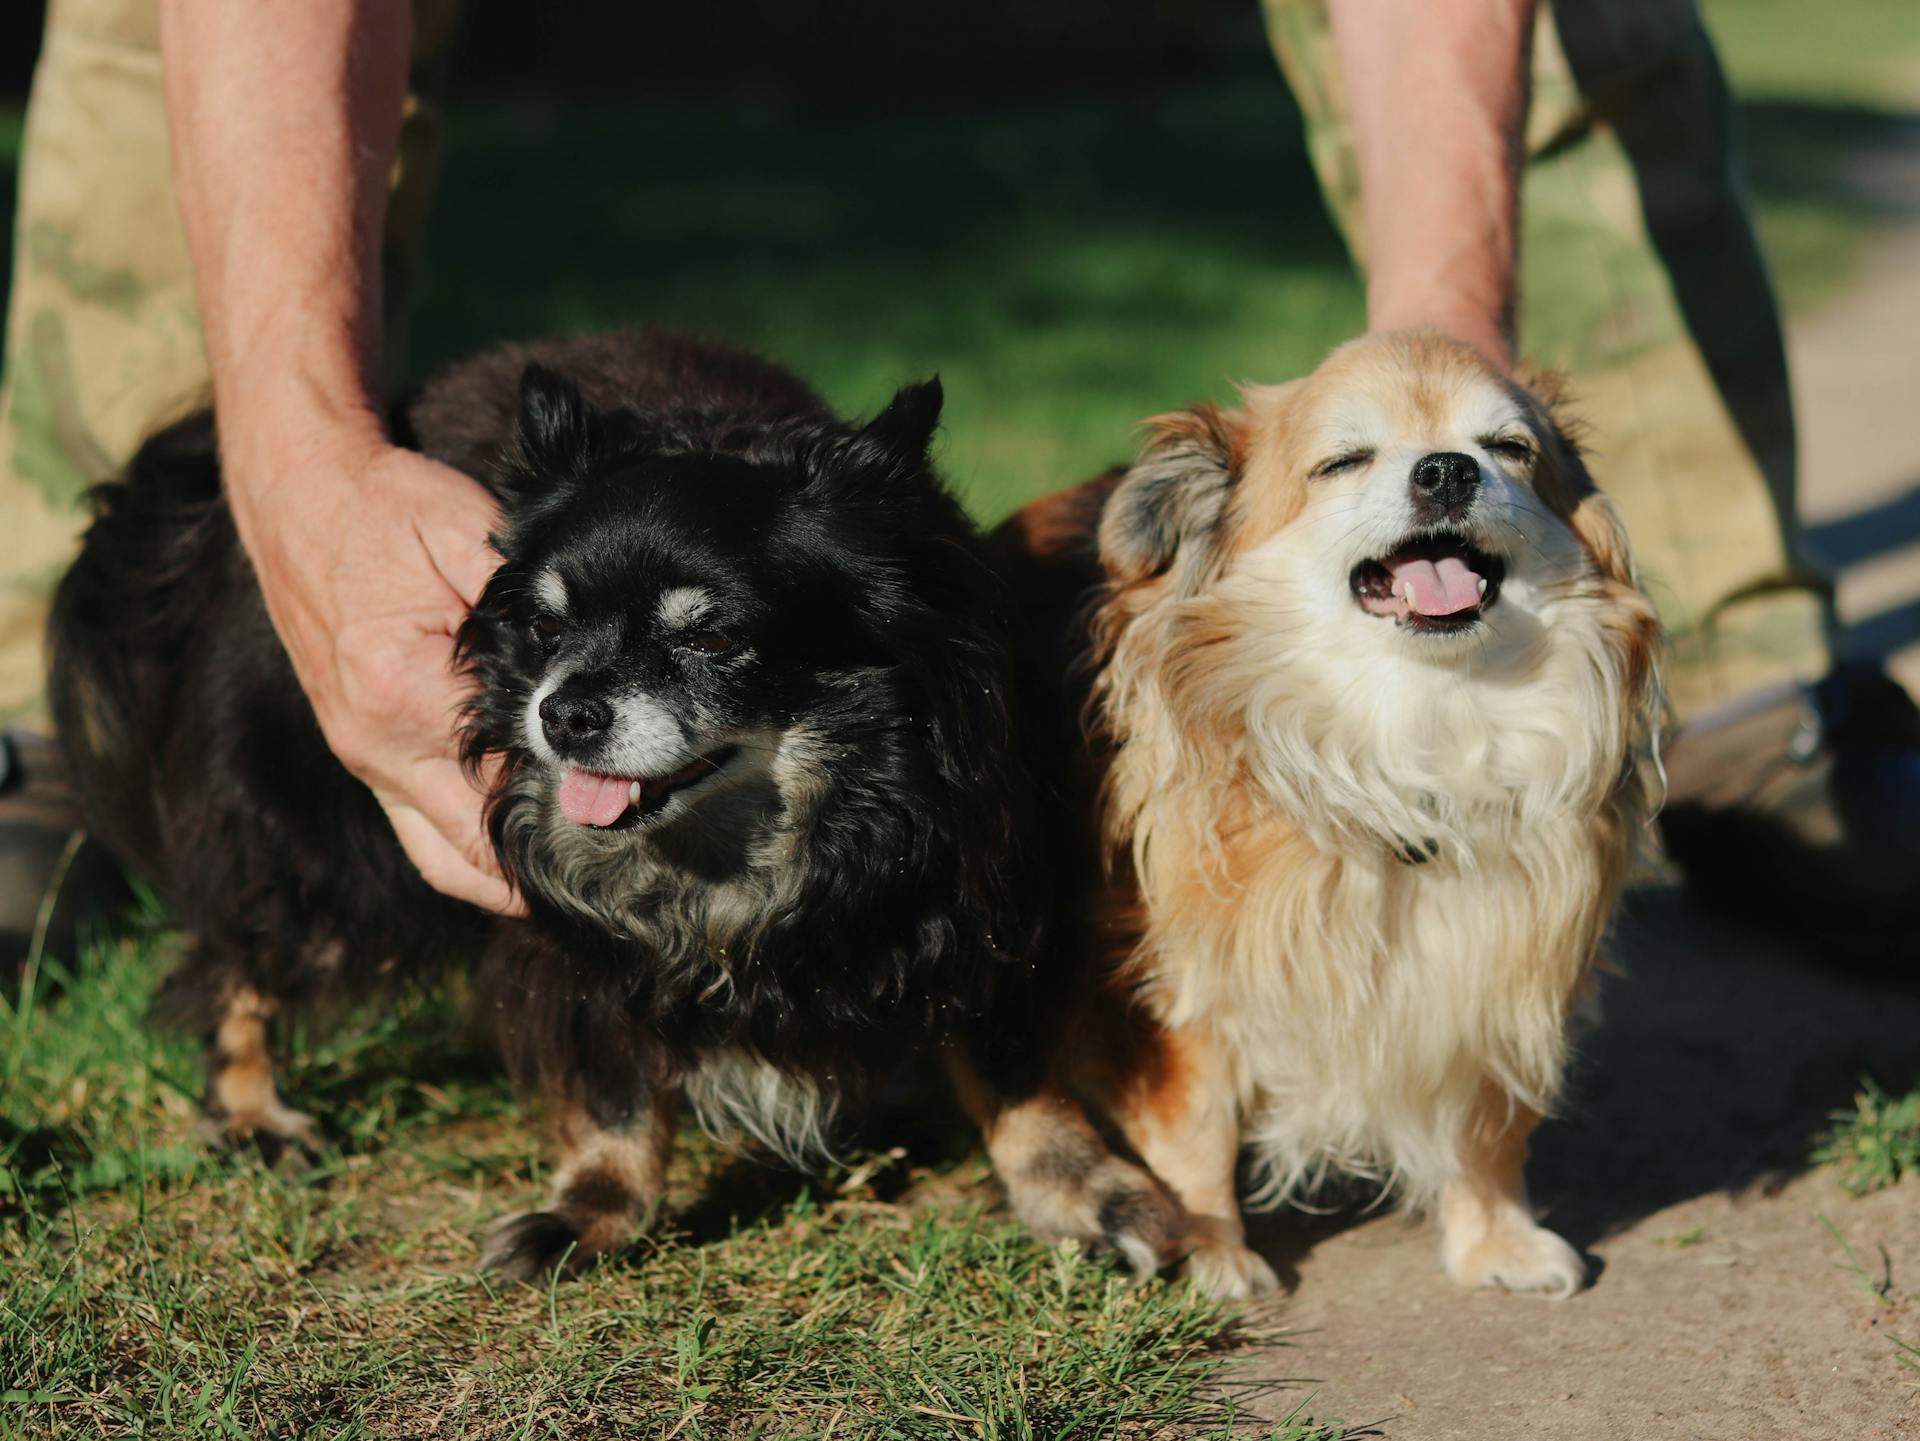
pixel 1278 750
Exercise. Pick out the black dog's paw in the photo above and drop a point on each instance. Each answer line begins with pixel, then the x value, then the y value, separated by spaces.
pixel 532 1247
pixel 283 1138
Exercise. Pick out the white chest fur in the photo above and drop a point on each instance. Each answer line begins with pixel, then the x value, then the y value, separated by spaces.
pixel 1365 1001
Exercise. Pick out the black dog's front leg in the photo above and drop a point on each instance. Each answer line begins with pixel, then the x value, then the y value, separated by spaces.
pixel 606 1192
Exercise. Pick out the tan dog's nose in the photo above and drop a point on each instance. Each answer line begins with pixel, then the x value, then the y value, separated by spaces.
pixel 1444 485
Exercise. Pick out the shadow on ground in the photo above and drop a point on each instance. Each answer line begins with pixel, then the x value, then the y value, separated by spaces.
pixel 1722 1056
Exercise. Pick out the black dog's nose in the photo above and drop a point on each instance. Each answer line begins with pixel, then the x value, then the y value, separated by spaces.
pixel 1444 484
pixel 569 718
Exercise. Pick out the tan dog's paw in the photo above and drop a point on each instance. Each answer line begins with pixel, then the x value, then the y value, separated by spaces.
pixel 1229 1272
pixel 1139 1217
pixel 1515 1254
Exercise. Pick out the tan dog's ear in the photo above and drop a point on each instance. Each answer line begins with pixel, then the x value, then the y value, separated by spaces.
pixel 1599 527
pixel 1169 507
pixel 1562 480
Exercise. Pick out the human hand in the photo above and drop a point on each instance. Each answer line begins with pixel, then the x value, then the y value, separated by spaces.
pixel 369 558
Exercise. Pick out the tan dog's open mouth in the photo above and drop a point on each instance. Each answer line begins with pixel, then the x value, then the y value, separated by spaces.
pixel 1435 582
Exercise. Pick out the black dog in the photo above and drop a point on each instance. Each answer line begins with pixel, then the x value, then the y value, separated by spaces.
pixel 745 670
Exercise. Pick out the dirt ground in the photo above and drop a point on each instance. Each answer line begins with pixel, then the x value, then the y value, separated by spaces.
pixel 1722 1308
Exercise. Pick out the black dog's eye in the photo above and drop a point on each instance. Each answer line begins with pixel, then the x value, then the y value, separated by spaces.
pixel 708 642
pixel 1347 460
pixel 1508 447
pixel 546 629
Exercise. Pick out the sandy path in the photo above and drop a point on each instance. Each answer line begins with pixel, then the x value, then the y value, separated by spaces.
pixel 1722 1309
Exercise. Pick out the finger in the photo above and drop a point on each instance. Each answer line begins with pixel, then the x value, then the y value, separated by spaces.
pixel 441 796
pixel 458 537
pixel 443 792
pixel 465 567
pixel 447 796
pixel 443 867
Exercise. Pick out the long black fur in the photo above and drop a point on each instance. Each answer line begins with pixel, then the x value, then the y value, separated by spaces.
pixel 904 911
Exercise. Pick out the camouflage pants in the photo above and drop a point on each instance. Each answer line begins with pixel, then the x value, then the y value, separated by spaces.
pixel 1668 325
pixel 1642 280
pixel 103 340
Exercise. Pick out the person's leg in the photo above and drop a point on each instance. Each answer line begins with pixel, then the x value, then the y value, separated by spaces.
pixel 102 339
pixel 1791 805
pixel 1641 279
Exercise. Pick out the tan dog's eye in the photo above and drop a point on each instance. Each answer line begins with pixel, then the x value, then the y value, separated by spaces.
pixel 1348 460
pixel 1509 447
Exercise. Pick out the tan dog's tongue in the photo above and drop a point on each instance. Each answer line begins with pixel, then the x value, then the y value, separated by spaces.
pixel 1435 587
pixel 588 798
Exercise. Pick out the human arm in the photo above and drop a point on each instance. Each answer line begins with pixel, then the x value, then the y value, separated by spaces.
pixel 1438 94
pixel 284 123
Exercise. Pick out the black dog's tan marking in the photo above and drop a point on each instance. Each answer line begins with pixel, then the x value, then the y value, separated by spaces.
pixel 241 1096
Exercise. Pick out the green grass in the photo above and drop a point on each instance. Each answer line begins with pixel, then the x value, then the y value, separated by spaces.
pixel 1877 1142
pixel 151 1286
pixel 1067 269
pixel 1864 52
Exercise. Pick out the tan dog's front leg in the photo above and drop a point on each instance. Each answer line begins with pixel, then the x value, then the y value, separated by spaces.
pixel 606 1191
pixel 1182 1114
pixel 1488 1236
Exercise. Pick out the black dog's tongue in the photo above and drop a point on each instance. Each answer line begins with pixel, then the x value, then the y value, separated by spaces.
pixel 591 798
pixel 588 798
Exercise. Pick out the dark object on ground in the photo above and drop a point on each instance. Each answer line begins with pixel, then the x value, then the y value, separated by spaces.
pixel 1801 812
pixel 745 672
pixel 54 883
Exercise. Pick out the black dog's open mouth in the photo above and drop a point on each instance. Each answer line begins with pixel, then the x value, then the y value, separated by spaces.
pixel 592 798
pixel 1436 583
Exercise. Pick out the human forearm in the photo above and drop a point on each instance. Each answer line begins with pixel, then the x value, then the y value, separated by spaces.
pixel 1438 94
pixel 284 120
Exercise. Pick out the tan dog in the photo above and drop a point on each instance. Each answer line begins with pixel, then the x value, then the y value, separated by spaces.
pixel 1371 687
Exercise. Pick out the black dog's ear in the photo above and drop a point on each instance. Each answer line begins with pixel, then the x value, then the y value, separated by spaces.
pixel 554 425
pixel 905 428
pixel 1172 501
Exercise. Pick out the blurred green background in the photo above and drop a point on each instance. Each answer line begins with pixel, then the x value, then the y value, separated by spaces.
pixel 1078 214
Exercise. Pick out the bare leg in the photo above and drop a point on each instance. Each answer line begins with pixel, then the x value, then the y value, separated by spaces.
pixel 607 1190
pixel 1063 1180
pixel 1488 1236
pixel 241 1098
pixel 1183 1117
